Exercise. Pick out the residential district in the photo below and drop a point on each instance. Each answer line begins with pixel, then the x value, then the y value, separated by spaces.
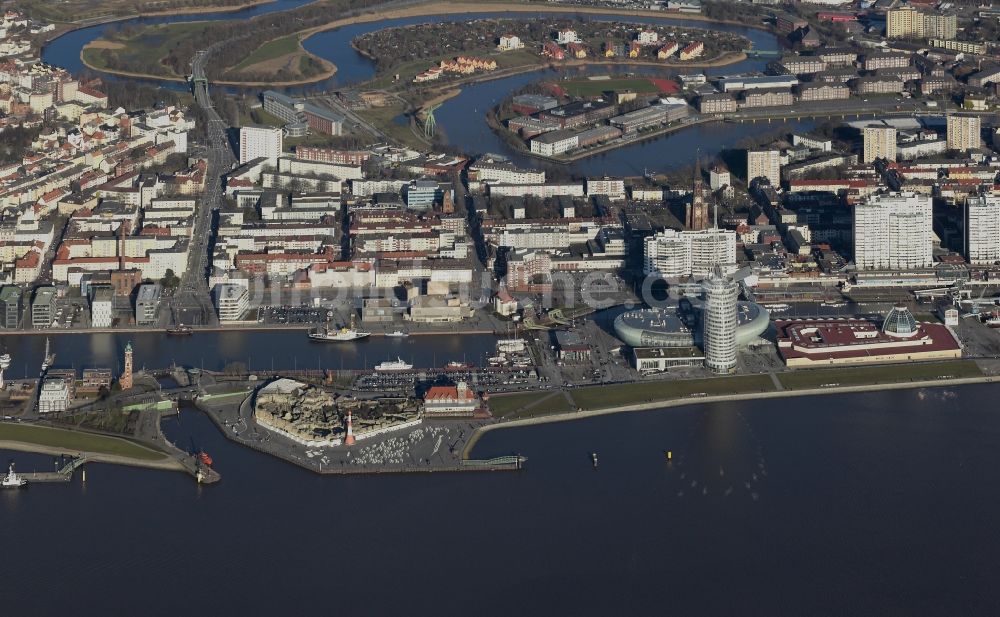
pixel 873 238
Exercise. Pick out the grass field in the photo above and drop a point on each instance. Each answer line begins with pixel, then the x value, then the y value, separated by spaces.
pixel 74 440
pixel 271 50
pixel 593 87
pixel 600 397
pixel 507 404
pixel 868 375
pixel 388 119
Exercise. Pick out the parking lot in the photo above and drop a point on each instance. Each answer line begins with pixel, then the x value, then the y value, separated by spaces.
pixel 281 315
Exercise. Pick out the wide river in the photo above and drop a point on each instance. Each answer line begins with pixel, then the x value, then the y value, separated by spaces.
pixel 461 119
pixel 863 504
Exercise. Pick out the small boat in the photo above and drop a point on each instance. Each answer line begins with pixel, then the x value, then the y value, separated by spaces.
pixel 777 307
pixel 180 330
pixel 393 365
pixel 397 334
pixel 459 366
pixel 993 322
pixel 593 458
pixel 204 458
pixel 12 480
pixel 50 357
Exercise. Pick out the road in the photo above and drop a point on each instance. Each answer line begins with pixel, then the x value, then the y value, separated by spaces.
pixel 192 303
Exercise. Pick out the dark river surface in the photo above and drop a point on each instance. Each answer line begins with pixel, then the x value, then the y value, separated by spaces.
pixel 857 504
pixel 461 120
pixel 260 350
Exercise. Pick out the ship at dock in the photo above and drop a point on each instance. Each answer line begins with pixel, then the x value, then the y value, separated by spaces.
pixel 180 330
pixel 393 365
pixel 344 334
pixel 12 480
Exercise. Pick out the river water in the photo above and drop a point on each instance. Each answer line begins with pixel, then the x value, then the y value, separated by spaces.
pixel 260 350
pixel 863 504
pixel 461 119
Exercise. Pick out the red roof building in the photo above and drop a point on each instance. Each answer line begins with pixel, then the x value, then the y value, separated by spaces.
pixel 805 343
pixel 458 400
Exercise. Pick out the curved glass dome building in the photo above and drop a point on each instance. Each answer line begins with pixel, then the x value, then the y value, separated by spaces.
pixel 681 327
pixel 899 323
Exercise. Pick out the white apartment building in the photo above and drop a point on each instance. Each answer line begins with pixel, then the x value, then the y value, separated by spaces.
pixel 764 164
pixel 231 301
pixel 260 142
pixel 880 143
pixel 673 253
pixel 719 177
pixel 983 229
pixel 613 188
pixel 963 132
pixel 53 396
pixel 893 231
pixel 490 172
pixel 101 309
pixel 510 42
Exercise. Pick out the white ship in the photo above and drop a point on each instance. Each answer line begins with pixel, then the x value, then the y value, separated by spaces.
pixel 777 308
pixel 343 334
pixel 394 365
pixel 397 334
pixel 12 480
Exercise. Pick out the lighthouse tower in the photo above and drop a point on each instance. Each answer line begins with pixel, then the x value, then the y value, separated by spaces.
pixel 125 381
pixel 349 439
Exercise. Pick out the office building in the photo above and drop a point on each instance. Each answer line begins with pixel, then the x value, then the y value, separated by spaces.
pixel 231 301
pixel 101 307
pixel 147 302
pixel 260 142
pixel 893 231
pixel 42 307
pixel 963 132
pixel 983 229
pixel 10 306
pixel 673 253
pixel 880 143
pixel 764 164
pixel 300 112
pixel 719 322
pixel 421 194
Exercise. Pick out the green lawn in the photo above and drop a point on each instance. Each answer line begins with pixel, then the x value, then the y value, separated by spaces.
pixel 593 87
pixel 600 397
pixel 387 119
pixel 75 440
pixel 868 375
pixel 270 50
pixel 505 405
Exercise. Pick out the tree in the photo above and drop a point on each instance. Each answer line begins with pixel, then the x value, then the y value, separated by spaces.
pixel 170 280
